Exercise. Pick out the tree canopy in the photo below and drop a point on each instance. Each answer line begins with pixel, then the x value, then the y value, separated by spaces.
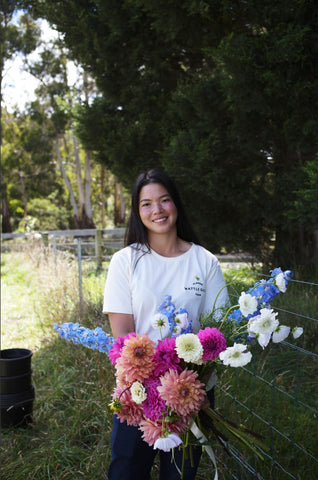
pixel 222 95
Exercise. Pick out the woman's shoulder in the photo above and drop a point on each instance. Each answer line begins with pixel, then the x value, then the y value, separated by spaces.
pixel 204 253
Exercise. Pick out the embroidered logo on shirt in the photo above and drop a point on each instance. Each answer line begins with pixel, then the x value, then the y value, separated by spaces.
pixel 196 287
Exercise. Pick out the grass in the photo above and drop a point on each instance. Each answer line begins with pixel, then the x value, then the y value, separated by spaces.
pixel 70 434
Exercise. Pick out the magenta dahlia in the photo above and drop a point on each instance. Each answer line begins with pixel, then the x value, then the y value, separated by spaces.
pixel 213 343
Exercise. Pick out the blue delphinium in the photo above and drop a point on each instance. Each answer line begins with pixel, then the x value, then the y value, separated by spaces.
pixel 168 309
pixel 264 292
pixel 95 339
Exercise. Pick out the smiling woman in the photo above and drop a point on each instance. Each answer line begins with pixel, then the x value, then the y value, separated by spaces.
pixel 162 259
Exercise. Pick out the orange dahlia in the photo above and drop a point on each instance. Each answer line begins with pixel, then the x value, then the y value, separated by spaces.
pixel 136 362
pixel 182 392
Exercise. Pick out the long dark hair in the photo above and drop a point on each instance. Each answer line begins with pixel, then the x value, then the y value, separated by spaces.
pixel 136 232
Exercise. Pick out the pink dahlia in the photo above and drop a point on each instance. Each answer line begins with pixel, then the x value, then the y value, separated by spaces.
pixel 166 356
pixel 136 362
pixel 182 392
pixel 116 349
pixel 151 431
pixel 213 343
pixel 154 405
pixel 130 410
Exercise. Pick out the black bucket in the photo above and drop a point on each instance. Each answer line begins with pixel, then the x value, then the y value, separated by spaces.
pixel 16 390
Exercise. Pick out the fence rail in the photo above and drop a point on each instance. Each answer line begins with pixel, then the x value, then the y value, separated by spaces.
pixel 277 397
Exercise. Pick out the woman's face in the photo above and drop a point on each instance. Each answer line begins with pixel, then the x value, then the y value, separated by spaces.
pixel 157 210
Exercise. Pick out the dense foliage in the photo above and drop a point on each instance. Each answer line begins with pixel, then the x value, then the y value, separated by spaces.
pixel 223 95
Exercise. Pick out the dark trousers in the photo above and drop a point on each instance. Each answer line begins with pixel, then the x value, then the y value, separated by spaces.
pixel 132 458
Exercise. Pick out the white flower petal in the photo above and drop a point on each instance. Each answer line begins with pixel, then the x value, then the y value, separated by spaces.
pixel 280 334
pixel 167 443
pixel 297 332
pixel 263 339
pixel 248 304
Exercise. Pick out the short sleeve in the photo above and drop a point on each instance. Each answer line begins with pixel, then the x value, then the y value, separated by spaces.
pixel 117 294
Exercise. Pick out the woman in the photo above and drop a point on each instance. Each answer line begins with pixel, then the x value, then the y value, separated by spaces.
pixel 162 257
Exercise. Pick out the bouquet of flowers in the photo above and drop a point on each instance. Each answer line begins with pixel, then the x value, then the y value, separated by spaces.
pixel 161 388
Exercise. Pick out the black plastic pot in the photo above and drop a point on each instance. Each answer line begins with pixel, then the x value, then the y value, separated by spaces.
pixel 16 390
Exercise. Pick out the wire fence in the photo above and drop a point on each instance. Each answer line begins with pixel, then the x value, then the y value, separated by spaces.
pixel 275 395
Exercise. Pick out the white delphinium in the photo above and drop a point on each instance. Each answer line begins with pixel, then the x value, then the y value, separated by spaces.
pixel 181 320
pixel 247 303
pixel 236 356
pixel 138 392
pixel 297 332
pixel 189 348
pixel 176 330
pixel 281 332
pixel 281 282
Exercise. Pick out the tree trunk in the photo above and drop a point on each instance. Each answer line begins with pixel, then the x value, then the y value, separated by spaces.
pixel 6 218
pixel 102 199
pixel 89 223
pixel 78 174
pixel 67 183
pixel 24 199
pixel 119 204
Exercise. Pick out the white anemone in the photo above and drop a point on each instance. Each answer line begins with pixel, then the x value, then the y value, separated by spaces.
pixel 236 356
pixel 167 443
pixel 266 322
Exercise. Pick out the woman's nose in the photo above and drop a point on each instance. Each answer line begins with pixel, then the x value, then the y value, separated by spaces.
pixel 157 207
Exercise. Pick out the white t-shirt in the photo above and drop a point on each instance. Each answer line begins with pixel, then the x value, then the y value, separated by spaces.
pixel 137 283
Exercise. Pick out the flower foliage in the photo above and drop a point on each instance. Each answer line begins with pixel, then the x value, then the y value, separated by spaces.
pixel 161 388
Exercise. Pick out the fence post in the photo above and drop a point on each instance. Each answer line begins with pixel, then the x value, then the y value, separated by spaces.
pixel 98 248
pixel 79 263
pixel 45 239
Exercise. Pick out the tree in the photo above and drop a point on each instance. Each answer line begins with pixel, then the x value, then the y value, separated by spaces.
pixel 21 37
pixel 221 94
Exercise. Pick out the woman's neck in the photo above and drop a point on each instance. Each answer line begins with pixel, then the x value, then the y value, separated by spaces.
pixel 168 246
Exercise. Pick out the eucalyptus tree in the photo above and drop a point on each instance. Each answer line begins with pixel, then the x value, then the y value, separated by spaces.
pixel 57 99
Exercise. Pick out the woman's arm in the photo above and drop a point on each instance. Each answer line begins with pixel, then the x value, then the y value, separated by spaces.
pixel 121 323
